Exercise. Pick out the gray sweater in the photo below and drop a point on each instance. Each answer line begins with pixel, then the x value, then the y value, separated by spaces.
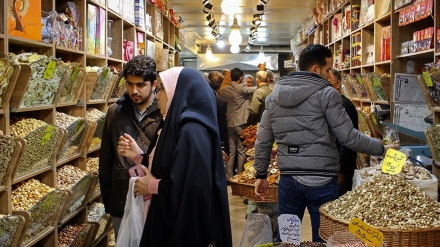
pixel 304 115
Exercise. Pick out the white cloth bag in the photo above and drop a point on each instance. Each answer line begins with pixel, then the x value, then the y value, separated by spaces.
pixel 132 224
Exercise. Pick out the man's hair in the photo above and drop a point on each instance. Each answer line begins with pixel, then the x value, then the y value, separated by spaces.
pixel 262 76
pixel 224 71
pixel 141 66
pixel 236 73
pixel 270 75
pixel 313 54
pixel 215 80
pixel 336 74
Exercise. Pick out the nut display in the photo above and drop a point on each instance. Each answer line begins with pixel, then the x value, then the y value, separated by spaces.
pixel 96 214
pixel 73 80
pixel 6 72
pixel 249 135
pixel 41 143
pixel 119 89
pixel 93 165
pixel 28 193
pixel 8 228
pixel 75 127
pixel 7 147
pixel 68 235
pixel 64 120
pixel 102 83
pixel 409 172
pixel 387 201
pixel 68 176
pixel 97 116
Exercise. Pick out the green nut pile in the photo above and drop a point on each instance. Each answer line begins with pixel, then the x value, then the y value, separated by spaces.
pixel 8 228
pixel 388 201
pixel 68 176
pixel 7 147
pixel 28 193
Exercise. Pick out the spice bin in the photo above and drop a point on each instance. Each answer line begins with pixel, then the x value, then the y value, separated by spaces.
pixel 41 88
pixel 375 85
pixel 75 128
pixel 96 213
pixel 77 235
pixel 12 228
pixel 433 137
pixel 358 84
pixel 11 152
pixel 97 117
pixel 42 145
pixel 44 216
pixel 103 86
pixel 429 81
pixel 352 94
pixel 119 89
pixel 7 83
pixel 73 82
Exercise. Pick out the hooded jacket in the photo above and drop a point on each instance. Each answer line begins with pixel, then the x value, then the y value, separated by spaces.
pixel 113 167
pixel 305 116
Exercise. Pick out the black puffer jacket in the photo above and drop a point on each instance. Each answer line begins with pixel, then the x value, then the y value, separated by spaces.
pixel 113 167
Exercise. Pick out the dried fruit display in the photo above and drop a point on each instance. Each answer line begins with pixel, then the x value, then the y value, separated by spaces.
pixel 28 193
pixel 7 147
pixel 68 176
pixel 102 84
pixel 69 234
pixel 75 127
pixel 119 89
pixel 431 78
pixel 72 82
pixel 388 201
pixel 93 165
pixel 433 136
pixel 97 214
pixel 97 116
pixel 6 72
pixel 9 226
pixel 409 172
pixel 249 135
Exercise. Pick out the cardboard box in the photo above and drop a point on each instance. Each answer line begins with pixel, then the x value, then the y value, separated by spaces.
pixel 92 12
pixel 139 13
pixel 128 10
pixel 115 5
pixel 25 19
pixel 100 32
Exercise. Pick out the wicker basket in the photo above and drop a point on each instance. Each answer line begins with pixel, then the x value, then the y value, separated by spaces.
pixel 392 237
pixel 248 191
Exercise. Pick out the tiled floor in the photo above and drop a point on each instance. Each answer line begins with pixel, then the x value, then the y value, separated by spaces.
pixel 238 221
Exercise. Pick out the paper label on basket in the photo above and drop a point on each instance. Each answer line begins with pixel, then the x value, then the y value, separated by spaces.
pixel 47 134
pixel 120 82
pixel 360 80
pixel 290 228
pixel 48 202
pixel 427 78
pixel 74 74
pixel 376 82
pixel 393 162
pixel 105 72
pixel 365 232
pixel 49 70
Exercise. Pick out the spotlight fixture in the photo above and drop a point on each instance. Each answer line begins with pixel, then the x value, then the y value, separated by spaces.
pixel 235 49
pixel 213 25
pixel 207 8
pixel 220 42
pixel 264 1
pixel 260 9
pixel 204 1
pixel 253 30
pixel 210 17
pixel 214 32
pixel 248 48
pixel 235 36
pixel 257 20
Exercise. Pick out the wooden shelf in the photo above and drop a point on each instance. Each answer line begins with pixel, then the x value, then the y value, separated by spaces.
pixel 419 54
pixel 71 215
pixel 96 102
pixel 2 112
pixel 383 63
pixel 94 149
pixel 42 235
pixel 385 18
pixel 34 108
pixel 68 50
pixel 65 104
pixel 437 54
pixel 3 188
pixel 31 175
pixel 368 65
pixel 95 196
pixel 113 15
pixel 96 3
pixel 112 100
pixel 94 56
pixel 2 36
pixel 369 25
pixel 68 159
pixel 110 59
pixel 356 67
pixel 28 42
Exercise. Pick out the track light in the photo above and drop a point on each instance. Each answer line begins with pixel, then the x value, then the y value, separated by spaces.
pixel 257 20
pixel 260 9
pixel 264 1
pixel 207 8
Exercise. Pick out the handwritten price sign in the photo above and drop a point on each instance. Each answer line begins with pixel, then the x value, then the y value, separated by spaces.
pixel 365 232
pixel 393 162
pixel 290 228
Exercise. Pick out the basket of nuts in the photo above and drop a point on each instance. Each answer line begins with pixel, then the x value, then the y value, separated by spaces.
pixel 75 128
pixel 76 235
pixel 96 213
pixel 400 210
pixel 11 229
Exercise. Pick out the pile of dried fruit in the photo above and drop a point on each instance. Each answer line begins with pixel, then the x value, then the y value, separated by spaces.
pixel 409 172
pixel 7 147
pixel 72 80
pixel 96 214
pixel 388 201
pixel 28 193
pixel 93 165
pixel 249 135
pixel 68 176
pixel 69 234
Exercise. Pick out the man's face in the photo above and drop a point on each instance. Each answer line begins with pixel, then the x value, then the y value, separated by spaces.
pixel 140 91
pixel 335 83
pixel 324 72
pixel 249 82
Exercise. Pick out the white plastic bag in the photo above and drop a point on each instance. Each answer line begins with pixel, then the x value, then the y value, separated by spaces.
pixel 132 224
pixel 258 230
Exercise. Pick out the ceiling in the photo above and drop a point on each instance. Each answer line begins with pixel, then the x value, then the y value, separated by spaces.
pixel 280 21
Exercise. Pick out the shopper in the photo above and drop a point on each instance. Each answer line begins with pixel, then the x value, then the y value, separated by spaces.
pixel 189 206
pixel 226 79
pixel 259 98
pixel 137 114
pixel 237 113
pixel 347 157
pixel 305 116
pixel 248 80
pixel 215 79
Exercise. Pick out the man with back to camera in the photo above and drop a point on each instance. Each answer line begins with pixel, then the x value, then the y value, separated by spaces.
pixel 226 79
pixel 347 157
pixel 237 113
pixel 137 114
pixel 259 98
pixel 305 116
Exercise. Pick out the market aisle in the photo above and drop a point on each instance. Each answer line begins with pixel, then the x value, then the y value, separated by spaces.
pixel 238 221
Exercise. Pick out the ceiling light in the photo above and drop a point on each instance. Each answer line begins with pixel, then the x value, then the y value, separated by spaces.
pixel 260 9
pixel 229 7
pixel 235 36
pixel 208 55
pixel 204 1
pixel 248 48
pixel 207 8
pixel 235 49
pixel 220 42
pixel 261 56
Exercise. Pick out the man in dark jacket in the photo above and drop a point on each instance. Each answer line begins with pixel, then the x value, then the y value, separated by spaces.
pixel 215 80
pixel 347 157
pixel 137 114
pixel 305 116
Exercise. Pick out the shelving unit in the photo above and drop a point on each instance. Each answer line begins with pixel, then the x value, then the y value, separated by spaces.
pixel 120 29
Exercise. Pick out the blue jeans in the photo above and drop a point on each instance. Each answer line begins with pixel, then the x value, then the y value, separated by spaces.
pixel 293 198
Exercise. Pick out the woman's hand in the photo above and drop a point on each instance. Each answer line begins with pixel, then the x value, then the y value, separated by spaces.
pixel 141 185
pixel 128 147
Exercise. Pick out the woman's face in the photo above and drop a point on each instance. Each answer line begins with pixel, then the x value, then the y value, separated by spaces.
pixel 162 100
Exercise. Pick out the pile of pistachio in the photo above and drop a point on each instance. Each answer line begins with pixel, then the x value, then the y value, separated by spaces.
pixel 6 72
pixel 102 83
pixel 75 74
pixel 8 228
pixel 7 147
pixel 28 193
pixel 68 176
pixel 388 201
pixel 96 214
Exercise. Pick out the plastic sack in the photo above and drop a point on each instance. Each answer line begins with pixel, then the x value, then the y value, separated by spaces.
pixel 258 230
pixel 342 238
pixel 132 224
pixel 390 136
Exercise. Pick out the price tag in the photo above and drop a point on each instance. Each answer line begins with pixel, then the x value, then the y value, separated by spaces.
pixel 48 202
pixel 49 70
pixel 47 134
pixel 427 78
pixel 2 232
pixel 393 162
pixel 373 117
pixel 365 232
pixel 105 72
pixel 376 81
pixel 79 126
pixel 121 82
pixel 290 228
pixel 360 80
pixel 74 74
